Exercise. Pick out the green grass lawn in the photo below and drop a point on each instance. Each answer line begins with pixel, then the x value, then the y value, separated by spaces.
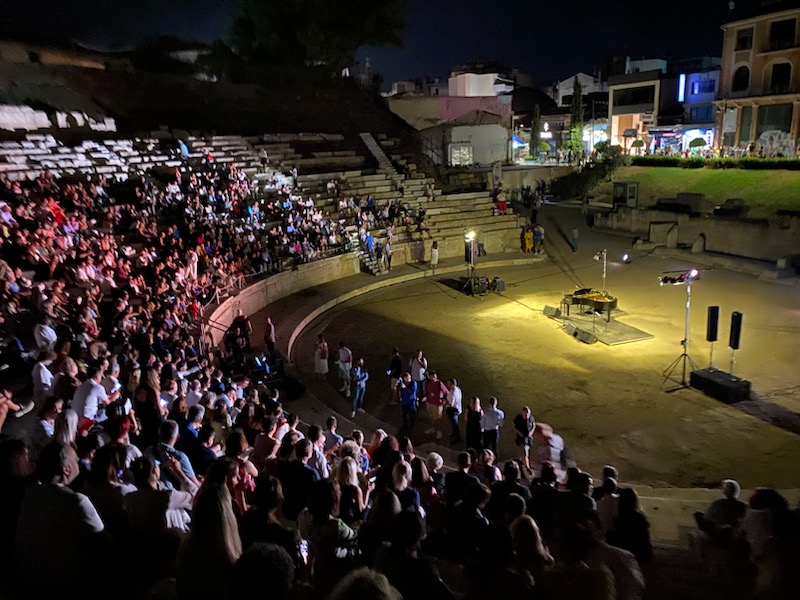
pixel 764 191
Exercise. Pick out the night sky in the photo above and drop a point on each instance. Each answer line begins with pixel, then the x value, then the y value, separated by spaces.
pixel 552 39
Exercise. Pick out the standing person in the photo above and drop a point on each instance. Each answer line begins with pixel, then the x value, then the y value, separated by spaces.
pixel 574 240
pixel 491 422
pixel 434 255
pixel 435 393
pixel 387 252
pixel 394 372
pixel 418 366
pixel 345 364
pixel 321 357
pixel 359 377
pixel 524 426
pixel 453 409
pixel 538 238
pixel 269 337
pixel 527 237
pixel 474 430
pixel 408 400
pixel 243 327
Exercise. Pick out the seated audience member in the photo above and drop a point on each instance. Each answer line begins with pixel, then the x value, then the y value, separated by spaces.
pixel 155 508
pixel 377 529
pixel 458 482
pixel 412 574
pixel 297 479
pixel 631 530
pixel 261 524
pixel 58 531
pixel 165 449
pixel 531 557
pixel 364 583
pixel 501 490
pixel 271 564
pixel 722 518
pixel 205 569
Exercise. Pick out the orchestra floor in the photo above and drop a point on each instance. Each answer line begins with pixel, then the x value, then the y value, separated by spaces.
pixel 608 402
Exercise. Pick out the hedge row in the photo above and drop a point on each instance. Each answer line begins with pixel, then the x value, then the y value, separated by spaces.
pixel 697 162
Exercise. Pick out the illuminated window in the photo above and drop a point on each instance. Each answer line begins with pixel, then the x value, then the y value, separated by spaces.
pixel 704 87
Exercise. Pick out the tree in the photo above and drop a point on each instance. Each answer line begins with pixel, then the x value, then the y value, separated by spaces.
pixel 315 32
pixel 536 127
pixel 575 143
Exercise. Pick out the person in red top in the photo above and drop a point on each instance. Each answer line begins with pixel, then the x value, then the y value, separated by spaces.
pixel 435 393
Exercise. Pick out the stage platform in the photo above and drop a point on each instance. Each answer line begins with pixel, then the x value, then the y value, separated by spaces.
pixel 612 333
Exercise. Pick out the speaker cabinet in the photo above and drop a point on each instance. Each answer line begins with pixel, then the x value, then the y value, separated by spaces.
pixel 712 325
pixel 736 330
pixel 587 337
pixel 500 285
pixel 720 385
pixel 552 311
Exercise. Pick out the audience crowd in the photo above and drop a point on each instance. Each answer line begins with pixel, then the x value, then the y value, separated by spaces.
pixel 162 467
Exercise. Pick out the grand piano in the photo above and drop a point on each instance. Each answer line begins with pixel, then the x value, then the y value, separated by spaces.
pixel 587 298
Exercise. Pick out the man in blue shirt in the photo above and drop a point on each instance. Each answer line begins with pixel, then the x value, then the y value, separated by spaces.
pixel 408 400
pixel 359 377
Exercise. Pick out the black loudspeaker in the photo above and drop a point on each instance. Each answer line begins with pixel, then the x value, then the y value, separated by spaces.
pixel 500 285
pixel 552 311
pixel 587 337
pixel 736 330
pixel 720 385
pixel 712 326
pixel 570 328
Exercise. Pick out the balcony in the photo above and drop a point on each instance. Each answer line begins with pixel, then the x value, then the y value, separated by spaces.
pixel 775 90
pixel 779 46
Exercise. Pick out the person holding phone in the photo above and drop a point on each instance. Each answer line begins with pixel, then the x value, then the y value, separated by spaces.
pixel 394 372
pixel 407 388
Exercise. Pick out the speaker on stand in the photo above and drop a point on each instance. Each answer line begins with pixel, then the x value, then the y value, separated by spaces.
pixel 736 334
pixel 712 331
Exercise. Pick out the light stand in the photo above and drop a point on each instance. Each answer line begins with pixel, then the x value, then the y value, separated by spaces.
pixel 603 255
pixel 685 361
pixel 469 251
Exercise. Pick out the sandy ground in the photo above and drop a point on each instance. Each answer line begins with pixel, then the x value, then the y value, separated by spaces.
pixel 609 402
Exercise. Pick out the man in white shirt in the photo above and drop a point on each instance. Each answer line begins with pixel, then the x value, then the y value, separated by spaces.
pixel 58 530
pixel 491 421
pixel 45 335
pixel 453 408
pixel 345 365
pixel 194 394
pixel 42 377
pixel 90 397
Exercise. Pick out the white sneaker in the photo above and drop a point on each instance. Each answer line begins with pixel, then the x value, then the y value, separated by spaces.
pixel 347 394
pixel 24 409
pixel 438 435
pixel 353 415
pixel 361 410
pixel 429 430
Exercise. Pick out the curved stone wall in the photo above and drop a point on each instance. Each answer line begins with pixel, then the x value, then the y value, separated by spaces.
pixel 258 295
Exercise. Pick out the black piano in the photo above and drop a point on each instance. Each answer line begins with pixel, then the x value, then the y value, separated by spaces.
pixel 587 298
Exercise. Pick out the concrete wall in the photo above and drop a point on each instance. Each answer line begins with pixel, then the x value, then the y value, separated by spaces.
pixel 769 240
pixel 489 142
pixel 516 177
pixel 255 297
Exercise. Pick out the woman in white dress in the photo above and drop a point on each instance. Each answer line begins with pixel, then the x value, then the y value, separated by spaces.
pixel 321 357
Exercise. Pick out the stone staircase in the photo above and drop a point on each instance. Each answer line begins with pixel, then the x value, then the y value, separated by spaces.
pixel 377 151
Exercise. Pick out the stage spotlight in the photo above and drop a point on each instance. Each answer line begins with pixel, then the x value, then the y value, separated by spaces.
pixel 626 258
pixel 694 273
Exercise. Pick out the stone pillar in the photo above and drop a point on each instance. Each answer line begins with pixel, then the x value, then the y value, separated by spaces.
pixel 793 131
pixel 754 124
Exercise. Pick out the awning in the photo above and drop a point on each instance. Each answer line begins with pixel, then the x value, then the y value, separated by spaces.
pixel 516 141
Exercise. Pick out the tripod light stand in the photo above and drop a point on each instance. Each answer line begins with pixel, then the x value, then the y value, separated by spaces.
pixel 684 361
pixel 470 252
